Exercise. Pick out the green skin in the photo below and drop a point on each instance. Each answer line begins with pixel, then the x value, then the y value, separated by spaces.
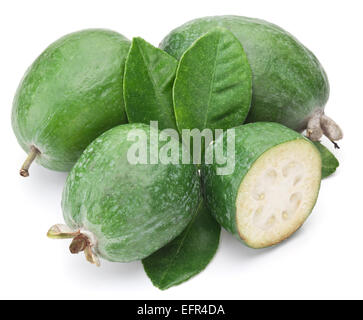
pixel 188 254
pixel 149 78
pixel 131 209
pixel 70 95
pixel 289 83
pixel 252 140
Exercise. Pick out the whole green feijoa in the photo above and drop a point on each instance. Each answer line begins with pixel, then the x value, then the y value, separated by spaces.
pixel 272 188
pixel 119 206
pixel 69 96
pixel 289 84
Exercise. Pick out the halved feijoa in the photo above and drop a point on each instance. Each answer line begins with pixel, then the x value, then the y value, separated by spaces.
pixel 273 188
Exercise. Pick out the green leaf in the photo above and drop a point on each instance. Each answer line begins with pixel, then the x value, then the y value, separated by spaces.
pixel 213 85
pixel 188 254
pixel 148 82
pixel 329 162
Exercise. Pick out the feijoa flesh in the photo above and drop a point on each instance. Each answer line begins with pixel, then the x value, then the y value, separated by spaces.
pixel 273 188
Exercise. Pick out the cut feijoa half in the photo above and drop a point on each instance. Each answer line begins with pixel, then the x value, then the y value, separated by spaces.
pixel 273 188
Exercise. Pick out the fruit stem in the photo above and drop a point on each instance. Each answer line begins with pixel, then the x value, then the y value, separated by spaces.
pixel 24 171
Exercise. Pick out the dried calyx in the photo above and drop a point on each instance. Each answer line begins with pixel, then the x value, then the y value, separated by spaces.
pixel 81 241
pixel 320 124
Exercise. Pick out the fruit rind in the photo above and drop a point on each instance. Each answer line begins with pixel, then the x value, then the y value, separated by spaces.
pixel 70 95
pixel 289 83
pixel 251 141
pixel 131 209
pixel 278 193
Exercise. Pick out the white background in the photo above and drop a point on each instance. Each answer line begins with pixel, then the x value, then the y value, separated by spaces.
pixel 322 260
